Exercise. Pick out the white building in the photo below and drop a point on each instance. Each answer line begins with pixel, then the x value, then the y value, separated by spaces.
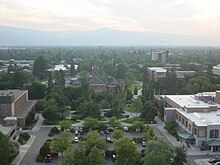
pixel 161 56
pixel 216 70
pixel 198 118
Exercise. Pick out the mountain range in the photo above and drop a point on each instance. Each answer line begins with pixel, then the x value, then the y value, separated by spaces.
pixel 12 36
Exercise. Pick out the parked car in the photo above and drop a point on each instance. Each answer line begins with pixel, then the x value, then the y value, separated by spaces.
pixel 76 139
pixel 143 143
pixel 125 128
pixel 109 140
pixel 214 160
pixel 76 132
pixel 48 158
pixel 114 158
pixel 217 163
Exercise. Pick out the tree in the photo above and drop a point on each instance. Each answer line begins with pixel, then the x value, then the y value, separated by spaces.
pixel 138 125
pixel 91 123
pixel 19 78
pixel 62 142
pixel 72 69
pixel 126 152
pixel 114 122
pixel 93 139
pixel 65 124
pixel 59 77
pixel 149 111
pixel 39 67
pixel 118 134
pixel 85 86
pixel 137 104
pixel 148 134
pixel 96 157
pixel 36 90
pixel 158 147
pixel 89 108
pixel 179 156
pixel 121 70
pixel 4 149
pixel 74 156
pixel 50 82
pixel 135 90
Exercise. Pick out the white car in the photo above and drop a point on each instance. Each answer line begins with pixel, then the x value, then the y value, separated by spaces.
pixel 76 139
pixel 125 128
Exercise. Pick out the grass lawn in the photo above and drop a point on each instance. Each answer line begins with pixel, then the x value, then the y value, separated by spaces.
pixel 137 84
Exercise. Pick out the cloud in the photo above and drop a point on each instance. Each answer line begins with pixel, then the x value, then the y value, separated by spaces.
pixel 198 17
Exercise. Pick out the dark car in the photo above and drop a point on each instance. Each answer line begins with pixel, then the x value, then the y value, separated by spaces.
pixel 214 160
pixel 114 158
pixel 48 158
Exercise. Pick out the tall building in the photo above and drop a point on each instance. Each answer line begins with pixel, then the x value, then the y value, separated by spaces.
pixel 15 103
pixel 197 116
pixel 161 56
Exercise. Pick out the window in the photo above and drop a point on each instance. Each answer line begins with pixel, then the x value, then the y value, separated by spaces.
pixel 201 133
pixel 195 131
pixel 182 121
pixel 190 127
pixel 176 116
pixel 186 124
pixel 211 134
pixel 214 133
pixel 179 118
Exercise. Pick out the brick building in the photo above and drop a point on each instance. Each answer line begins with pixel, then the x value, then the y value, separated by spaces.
pixel 15 103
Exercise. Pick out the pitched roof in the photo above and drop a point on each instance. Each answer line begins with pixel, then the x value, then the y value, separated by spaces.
pixel 96 81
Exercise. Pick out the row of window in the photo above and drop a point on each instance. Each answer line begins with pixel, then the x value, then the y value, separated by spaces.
pixel 212 134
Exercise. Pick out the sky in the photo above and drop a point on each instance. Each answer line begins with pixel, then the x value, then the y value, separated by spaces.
pixel 185 17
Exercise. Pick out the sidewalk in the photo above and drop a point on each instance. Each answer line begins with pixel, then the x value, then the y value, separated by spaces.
pixel 39 123
pixel 170 138
pixel 23 150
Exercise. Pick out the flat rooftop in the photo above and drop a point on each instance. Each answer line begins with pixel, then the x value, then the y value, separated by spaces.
pixel 202 118
pixel 187 100
pixel 6 129
pixel 157 69
pixel 16 93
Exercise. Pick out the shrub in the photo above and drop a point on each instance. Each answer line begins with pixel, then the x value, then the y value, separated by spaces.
pixel 40 158
pixel 171 128
pixel 45 149
pixel 53 131
pixel 23 138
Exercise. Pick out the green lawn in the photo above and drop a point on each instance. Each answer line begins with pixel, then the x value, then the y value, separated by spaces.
pixel 137 84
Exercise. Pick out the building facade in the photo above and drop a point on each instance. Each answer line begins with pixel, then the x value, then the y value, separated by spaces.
pixel 15 103
pixel 197 116
pixel 161 56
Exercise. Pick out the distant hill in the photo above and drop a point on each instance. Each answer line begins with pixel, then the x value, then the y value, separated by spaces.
pixel 11 36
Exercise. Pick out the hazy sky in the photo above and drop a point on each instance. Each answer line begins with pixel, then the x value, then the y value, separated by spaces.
pixel 197 17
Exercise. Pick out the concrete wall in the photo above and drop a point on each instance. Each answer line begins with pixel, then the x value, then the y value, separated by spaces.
pixel 217 98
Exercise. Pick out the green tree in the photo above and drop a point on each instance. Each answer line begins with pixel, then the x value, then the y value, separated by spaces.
pixel 62 142
pixel 149 111
pixel 179 156
pixel 4 149
pixel 93 139
pixel 126 152
pixel 36 90
pixel 72 69
pixel 89 108
pixel 96 157
pixel 118 134
pixel 65 124
pixel 85 86
pixel 137 104
pixel 74 156
pixel 135 90
pixel 138 125
pixel 91 123
pixel 39 67
pixel 114 122
pixel 158 147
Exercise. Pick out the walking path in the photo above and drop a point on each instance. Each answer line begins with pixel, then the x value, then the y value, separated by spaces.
pixel 23 150
pixel 170 138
